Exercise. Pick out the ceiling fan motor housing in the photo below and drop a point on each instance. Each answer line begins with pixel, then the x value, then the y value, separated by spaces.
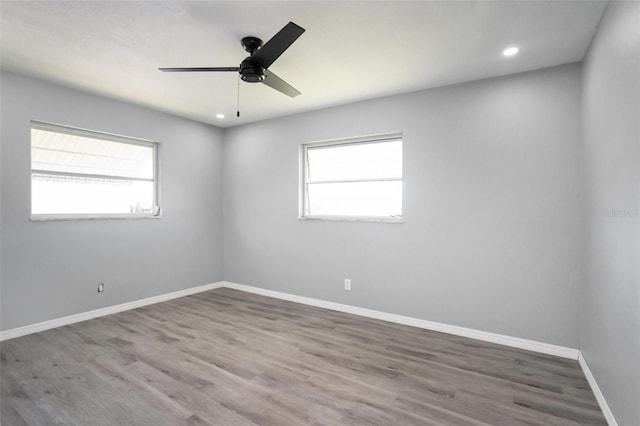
pixel 251 72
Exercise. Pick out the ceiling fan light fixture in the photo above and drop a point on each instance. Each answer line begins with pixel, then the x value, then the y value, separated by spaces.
pixel 220 116
pixel 510 51
pixel 252 78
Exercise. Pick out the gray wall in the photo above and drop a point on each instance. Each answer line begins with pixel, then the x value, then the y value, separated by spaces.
pixel 51 269
pixel 610 323
pixel 491 238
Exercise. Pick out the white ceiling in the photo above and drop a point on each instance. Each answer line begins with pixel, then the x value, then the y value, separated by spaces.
pixel 351 50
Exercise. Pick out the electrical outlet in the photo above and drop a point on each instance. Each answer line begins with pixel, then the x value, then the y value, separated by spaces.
pixel 100 287
pixel 347 284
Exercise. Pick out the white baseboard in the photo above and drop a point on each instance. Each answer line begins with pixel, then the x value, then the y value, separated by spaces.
pixel 59 322
pixel 515 342
pixel 500 339
pixel 606 411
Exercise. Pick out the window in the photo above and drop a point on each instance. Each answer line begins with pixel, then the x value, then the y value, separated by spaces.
pixel 79 173
pixel 353 179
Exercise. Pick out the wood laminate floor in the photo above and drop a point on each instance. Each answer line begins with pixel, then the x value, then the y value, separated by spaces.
pixel 226 357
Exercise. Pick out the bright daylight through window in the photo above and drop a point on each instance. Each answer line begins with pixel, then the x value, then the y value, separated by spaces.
pixel 353 179
pixel 84 174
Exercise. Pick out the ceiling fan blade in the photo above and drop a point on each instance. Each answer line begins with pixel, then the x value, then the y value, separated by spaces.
pixel 279 84
pixel 201 69
pixel 280 42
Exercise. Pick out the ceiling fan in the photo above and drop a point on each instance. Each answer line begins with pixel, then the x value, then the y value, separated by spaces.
pixel 254 68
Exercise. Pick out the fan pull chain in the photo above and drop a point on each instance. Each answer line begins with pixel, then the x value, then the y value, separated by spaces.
pixel 238 110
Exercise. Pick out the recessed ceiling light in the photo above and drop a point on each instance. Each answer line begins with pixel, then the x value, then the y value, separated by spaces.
pixel 510 51
pixel 219 115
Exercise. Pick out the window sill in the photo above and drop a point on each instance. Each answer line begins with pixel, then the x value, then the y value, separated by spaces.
pixel 56 217
pixel 396 220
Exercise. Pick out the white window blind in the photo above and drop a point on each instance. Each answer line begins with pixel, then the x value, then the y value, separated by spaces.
pixel 358 178
pixel 81 173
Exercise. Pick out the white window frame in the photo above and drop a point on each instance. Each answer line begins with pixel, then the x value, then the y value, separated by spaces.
pixel 303 210
pixel 93 134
